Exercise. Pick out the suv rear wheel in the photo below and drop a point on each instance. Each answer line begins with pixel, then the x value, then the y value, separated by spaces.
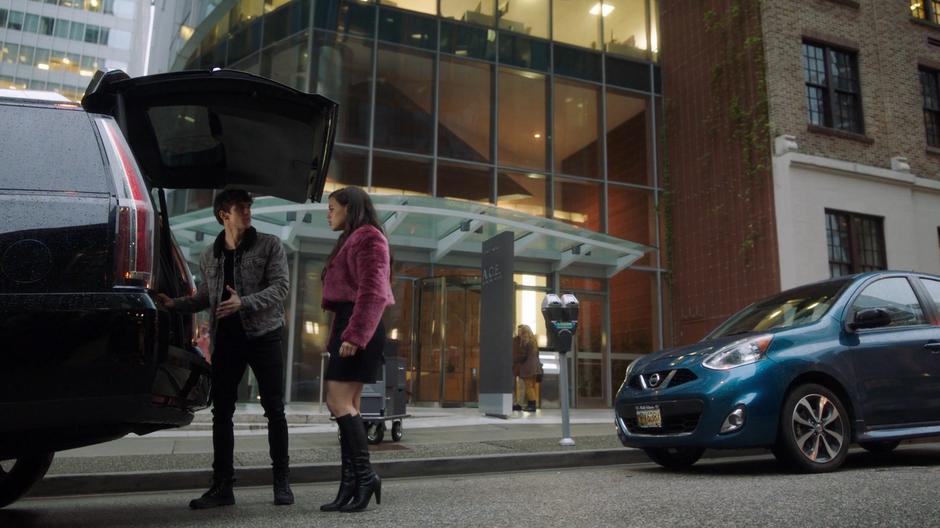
pixel 674 457
pixel 18 475
pixel 814 430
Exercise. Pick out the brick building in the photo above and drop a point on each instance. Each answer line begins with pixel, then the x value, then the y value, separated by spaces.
pixel 803 142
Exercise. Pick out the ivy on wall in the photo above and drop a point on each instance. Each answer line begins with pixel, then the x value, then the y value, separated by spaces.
pixel 739 109
pixel 739 106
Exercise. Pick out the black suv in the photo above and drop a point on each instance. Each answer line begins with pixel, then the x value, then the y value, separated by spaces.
pixel 85 245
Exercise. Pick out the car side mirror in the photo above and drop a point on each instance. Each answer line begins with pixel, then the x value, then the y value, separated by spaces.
pixel 870 318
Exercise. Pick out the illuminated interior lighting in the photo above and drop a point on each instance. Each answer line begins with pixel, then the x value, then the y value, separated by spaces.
pixel 603 10
pixel 577 218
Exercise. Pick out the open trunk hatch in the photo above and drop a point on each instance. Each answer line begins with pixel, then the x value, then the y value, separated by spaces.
pixel 213 129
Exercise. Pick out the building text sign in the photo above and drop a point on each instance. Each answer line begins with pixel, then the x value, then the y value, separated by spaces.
pixel 497 307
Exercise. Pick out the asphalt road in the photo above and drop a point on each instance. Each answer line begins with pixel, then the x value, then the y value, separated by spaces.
pixel 899 489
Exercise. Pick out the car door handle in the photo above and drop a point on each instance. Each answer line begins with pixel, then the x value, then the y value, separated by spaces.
pixel 933 346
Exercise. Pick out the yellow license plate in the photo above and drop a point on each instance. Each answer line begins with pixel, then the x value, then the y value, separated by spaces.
pixel 648 416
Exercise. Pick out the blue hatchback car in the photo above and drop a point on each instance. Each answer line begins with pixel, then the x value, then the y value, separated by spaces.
pixel 805 373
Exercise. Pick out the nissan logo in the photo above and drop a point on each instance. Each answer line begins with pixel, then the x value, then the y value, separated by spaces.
pixel 655 379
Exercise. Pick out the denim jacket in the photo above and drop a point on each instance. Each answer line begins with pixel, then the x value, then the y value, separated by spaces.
pixel 261 280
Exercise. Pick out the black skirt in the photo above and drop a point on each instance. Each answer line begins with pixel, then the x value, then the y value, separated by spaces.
pixel 364 365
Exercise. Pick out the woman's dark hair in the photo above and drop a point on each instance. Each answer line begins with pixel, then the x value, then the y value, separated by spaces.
pixel 359 212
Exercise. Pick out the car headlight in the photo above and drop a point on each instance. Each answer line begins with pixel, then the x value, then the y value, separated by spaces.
pixel 742 352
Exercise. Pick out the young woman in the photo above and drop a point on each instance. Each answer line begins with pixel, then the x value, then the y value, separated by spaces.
pixel 525 354
pixel 357 288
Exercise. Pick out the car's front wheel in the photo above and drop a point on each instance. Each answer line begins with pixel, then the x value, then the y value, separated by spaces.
pixel 674 457
pixel 814 430
pixel 18 475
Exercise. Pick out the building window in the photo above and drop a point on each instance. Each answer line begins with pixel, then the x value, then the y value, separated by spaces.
pixel 522 119
pixel 931 90
pixel 856 243
pixel 832 88
pixel 577 22
pixel 926 10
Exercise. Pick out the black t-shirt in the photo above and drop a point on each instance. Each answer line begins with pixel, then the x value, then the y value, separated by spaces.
pixel 231 326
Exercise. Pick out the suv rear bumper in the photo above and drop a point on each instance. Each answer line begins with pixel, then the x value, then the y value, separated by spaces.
pixel 78 369
pixel 55 425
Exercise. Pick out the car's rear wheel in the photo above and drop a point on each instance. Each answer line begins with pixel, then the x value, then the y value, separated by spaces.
pixel 18 475
pixel 674 457
pixel 884 446
pixel 814 430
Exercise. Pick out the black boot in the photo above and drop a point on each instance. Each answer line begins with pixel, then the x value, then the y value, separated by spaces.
pixel 282 493
pixel 347 483
pixel 367 482
pixel 220 494
pixel 516 407
pixel 531 407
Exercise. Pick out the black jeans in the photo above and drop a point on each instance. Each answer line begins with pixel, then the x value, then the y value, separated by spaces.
pixel 233 352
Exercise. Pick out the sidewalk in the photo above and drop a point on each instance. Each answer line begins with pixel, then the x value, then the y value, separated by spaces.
pixel 435 441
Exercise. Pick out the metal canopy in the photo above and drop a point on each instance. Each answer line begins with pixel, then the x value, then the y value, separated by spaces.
pixel 436 226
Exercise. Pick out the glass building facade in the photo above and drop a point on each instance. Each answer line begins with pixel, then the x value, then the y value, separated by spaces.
pixel 57 45
pixel 539 112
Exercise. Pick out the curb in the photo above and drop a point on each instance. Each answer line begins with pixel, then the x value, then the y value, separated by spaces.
pixel 172 480
pixel 149 481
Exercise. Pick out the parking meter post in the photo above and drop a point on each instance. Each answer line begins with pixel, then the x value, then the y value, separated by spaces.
pixel 561 322
pixel 566 439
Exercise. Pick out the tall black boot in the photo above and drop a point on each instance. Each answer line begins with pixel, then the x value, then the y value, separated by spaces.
pixel 347 483
pixel 220 494
pixel 367 482
pixel 282 493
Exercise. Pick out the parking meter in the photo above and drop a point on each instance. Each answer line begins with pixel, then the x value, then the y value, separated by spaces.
pixel 561 322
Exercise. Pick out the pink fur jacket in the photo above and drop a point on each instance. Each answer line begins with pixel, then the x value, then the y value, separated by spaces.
pixel 359 273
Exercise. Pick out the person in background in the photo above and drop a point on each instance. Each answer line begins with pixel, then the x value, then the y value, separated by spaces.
pixel 525 353
pixel 518 386
pixel 246 282
pixel 357 289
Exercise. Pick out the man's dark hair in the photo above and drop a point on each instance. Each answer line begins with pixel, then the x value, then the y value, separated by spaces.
pixel 227 198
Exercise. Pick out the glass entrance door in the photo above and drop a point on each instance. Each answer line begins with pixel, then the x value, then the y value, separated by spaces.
pixel 447 351
pixel 590 365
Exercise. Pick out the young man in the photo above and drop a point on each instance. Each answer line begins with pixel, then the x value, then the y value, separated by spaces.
pixel 246 282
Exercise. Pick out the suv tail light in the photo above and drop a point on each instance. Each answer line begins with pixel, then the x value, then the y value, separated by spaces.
pixel 133 247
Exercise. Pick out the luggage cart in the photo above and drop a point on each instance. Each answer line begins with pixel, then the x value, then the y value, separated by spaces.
pixel 385 400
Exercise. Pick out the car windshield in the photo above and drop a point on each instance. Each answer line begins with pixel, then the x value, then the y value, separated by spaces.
pixel 799 306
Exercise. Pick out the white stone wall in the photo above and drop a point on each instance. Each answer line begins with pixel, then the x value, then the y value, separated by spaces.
pixel 805 186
